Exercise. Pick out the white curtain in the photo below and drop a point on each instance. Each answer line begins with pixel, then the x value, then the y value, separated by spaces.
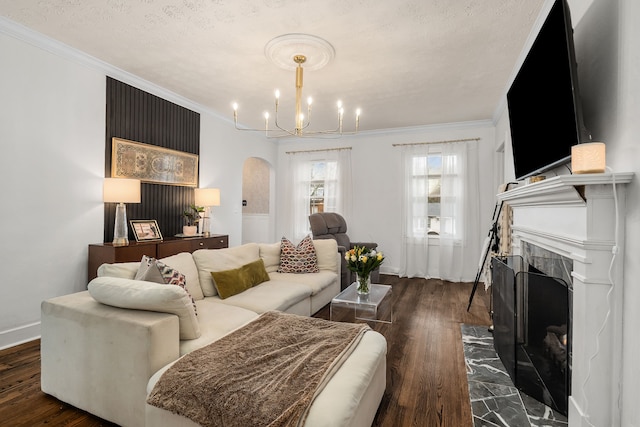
pixel 337 187
pixel 415 247
pixel 460 237
pixel 458 243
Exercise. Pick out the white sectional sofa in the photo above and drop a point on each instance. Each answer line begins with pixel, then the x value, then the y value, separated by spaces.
pixel 100 356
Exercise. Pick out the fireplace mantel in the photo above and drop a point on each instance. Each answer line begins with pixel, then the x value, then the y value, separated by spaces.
pixel 560 190
pixel 575 216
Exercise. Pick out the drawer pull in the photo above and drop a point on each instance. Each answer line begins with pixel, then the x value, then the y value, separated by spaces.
pixel 201 244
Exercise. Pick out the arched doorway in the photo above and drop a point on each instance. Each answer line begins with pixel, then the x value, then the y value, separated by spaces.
pixel 258 200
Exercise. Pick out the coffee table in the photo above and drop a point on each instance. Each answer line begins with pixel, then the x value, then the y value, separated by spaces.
pixel 349 306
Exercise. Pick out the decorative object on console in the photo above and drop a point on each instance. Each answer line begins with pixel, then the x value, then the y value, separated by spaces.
pixel 121 191
pixel 362 261
pixel 145 230
pixel 192 217
pixel 589 157
pixel 302 48
pixel 207 197
pixel 150 163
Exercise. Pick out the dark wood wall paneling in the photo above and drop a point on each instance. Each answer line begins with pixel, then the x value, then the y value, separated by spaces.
pixel 140 116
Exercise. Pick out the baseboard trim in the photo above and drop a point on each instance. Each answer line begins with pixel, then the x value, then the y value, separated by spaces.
pixel 20 335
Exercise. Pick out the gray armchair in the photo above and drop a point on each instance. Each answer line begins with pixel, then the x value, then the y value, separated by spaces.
pixel 330 225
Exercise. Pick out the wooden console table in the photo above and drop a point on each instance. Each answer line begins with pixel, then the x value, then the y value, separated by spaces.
pixel 101 253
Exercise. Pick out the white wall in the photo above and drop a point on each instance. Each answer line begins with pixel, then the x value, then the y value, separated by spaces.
pixel 377 182
pixel 222 156
pixel 608 42
pixel 52 140
pixel 52 136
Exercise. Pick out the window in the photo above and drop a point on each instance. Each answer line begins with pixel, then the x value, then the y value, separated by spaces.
pixel 322 180
pixel 317 182
pixel 425 193
pixel 440 200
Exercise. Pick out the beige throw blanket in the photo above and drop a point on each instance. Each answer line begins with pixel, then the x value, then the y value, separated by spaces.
pixel 266 373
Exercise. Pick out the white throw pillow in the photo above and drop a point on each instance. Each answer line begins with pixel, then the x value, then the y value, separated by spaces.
pixel 141 295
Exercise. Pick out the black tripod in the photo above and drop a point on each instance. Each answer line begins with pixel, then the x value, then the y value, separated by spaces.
pixel 494 244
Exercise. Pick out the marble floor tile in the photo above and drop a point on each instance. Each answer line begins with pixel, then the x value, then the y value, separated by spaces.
pixel 494 399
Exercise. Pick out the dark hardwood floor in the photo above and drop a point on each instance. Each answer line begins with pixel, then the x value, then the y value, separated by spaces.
pixel 426 377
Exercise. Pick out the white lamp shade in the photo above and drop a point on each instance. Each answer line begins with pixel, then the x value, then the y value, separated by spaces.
pixel 588 158
pixel 121 190
pixel 207 196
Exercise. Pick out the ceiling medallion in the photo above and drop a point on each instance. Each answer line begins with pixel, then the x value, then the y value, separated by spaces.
pixel 281 50
pixel 290 52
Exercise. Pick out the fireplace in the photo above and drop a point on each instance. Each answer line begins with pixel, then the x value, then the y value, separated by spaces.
pixel 576 218
pixel 532 323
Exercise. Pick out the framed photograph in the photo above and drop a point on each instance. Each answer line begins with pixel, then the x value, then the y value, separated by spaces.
pixel 150 163
pixel 145 230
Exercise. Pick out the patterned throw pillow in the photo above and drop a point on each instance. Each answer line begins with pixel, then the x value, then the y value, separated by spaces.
pixel 152 270
pixel 298 259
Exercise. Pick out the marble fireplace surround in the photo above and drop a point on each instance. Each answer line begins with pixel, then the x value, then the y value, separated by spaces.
pixel 574 216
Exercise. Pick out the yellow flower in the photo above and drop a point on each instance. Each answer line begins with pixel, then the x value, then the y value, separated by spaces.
pixel 364 259
pixel 353 258
pixel 379 256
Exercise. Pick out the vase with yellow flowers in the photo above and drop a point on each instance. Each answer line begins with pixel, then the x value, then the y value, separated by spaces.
pixel 362 261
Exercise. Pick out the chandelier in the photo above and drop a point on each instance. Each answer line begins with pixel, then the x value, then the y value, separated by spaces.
pixel 287 51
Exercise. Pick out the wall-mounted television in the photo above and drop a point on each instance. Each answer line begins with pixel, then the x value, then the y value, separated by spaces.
pixel 545 114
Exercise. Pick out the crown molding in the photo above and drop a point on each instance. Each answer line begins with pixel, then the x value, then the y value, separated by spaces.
pixel 424 128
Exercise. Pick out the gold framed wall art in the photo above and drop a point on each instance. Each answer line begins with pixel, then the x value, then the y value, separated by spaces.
pixel 150 163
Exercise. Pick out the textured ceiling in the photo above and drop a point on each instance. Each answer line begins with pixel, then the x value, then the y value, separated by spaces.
pixel 403 62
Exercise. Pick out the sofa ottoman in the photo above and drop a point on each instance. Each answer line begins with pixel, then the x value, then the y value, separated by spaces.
pixel 349 399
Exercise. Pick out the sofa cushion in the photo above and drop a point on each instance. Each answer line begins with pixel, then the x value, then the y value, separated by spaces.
pixel 208 260
pixel 271 295
pixel 183 262
pixel 314 281
pixel 326 253
pixel 234 281
pixel 124 270
pixel 140 295
pixel 152 270
pixel 216 320
pixel 270 254
pixel 298 259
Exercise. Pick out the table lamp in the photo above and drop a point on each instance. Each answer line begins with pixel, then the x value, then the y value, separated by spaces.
pixel 121 191
pixel 207 197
